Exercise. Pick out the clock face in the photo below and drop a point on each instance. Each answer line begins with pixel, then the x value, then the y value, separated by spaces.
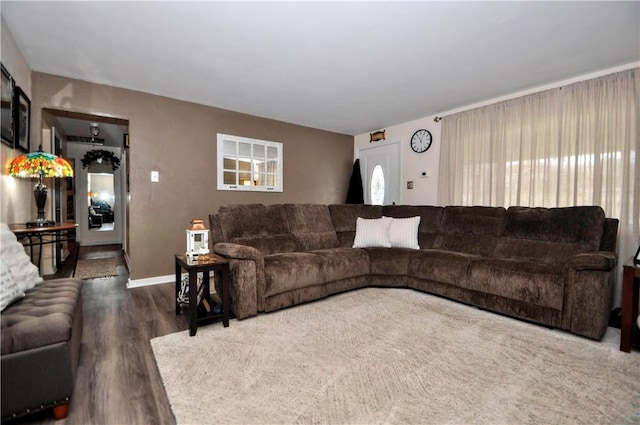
pixel 421 141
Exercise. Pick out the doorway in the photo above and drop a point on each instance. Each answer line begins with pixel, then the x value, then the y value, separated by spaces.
pixel 96 198
pixel 380 168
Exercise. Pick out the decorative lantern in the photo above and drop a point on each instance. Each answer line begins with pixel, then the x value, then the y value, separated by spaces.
pixel 197 239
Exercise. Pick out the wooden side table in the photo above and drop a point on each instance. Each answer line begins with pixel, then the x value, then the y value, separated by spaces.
pixel 630 289
pixel 204 265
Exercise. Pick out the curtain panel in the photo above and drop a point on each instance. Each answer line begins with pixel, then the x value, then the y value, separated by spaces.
pixel 575 145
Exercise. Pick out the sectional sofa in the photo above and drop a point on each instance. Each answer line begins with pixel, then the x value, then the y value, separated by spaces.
pixel 552 266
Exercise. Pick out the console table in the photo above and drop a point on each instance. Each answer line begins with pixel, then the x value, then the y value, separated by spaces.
pixel 204 265
pixel 630 290
pixel 39 236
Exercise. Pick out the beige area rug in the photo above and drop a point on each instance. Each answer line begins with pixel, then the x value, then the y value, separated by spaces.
pixel 96 267
pixel 395 356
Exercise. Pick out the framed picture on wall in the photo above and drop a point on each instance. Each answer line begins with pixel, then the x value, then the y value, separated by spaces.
pixel 6 118
pixel 22 120
pixel 636 258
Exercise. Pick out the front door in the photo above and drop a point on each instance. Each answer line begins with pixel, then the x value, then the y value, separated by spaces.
pixel 380 169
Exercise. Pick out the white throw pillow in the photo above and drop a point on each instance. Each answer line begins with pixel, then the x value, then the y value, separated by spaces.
pixel 372 233
pixel 24 272
pixel 403 232
pixel 9 290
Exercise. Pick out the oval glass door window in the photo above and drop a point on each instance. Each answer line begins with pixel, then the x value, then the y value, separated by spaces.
pixel 377 185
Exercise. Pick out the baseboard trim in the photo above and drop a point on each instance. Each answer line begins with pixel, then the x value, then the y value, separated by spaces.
pixel 157 280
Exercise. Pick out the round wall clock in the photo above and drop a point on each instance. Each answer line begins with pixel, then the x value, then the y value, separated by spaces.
pixel 421 141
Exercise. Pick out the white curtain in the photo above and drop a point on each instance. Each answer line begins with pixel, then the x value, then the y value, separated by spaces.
pixel 576 145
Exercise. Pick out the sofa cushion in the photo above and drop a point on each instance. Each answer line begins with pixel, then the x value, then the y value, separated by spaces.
pixel 344 216
pixel 372 232
pixel 440 266
pixel 389 261
pixel 43 316
pixel 430 220
pixel 264 227
pixel 472 230
pixel 296 270
pixel 311 226
pixel 534 283
pixel 343 263
pixel 582 225
pixel 289 271
pixel 538 251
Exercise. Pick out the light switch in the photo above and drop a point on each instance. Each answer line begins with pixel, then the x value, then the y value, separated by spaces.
pixel 155 176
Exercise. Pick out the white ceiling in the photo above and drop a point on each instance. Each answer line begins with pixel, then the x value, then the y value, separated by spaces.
pixel 348 67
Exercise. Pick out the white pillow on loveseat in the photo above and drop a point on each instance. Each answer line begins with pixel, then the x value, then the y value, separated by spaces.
pixel 24 272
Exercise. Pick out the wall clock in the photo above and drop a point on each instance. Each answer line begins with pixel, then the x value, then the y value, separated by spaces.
pixel 421 141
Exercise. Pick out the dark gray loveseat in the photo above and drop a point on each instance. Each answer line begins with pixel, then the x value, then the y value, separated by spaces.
pixel 41 335
pixel 553 266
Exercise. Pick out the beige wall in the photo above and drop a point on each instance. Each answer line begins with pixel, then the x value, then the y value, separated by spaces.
pixel 178 139
pixel 17 204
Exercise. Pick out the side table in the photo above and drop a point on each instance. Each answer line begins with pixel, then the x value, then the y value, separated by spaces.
pixel 204 265
pixel 630 289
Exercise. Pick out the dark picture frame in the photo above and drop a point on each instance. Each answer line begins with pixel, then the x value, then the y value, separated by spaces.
pixel 636 258
pixel 6 119
pixel 22 120
pixel 125 140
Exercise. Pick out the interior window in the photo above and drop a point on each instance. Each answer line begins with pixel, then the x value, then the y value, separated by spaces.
pixel 249 164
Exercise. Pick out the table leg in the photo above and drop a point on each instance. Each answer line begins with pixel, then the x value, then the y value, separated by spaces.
pixel 225 295
pixel 193 302
pixel 178 284
pixel 629 298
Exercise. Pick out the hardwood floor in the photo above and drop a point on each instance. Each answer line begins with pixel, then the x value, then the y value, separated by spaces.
pixel 118 381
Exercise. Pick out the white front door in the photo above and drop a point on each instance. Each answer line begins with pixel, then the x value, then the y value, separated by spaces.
pixel 380 169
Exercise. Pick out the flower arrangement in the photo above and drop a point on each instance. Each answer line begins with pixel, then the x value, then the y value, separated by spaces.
pixel 100 156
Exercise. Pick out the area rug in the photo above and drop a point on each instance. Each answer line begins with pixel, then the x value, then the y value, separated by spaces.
pixel 395 356
pixel 96 267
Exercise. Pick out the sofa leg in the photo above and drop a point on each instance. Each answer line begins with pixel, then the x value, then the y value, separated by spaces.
pixel 61 411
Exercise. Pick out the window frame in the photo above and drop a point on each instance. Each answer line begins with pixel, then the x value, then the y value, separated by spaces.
pixel 253 160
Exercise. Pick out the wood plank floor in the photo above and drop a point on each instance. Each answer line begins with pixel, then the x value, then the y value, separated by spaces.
pixel 118 381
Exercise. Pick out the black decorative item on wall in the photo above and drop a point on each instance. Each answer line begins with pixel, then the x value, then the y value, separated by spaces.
pixel 421 141
pixel 21 120
pixel 6 119
pixel 100 156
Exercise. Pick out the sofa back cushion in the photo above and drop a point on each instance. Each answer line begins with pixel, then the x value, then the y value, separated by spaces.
pixel 344 216
pixel 472 230
pixel 264 227
pixel 574 225
pixel 550 235
pixel 311 226
pixel 430 220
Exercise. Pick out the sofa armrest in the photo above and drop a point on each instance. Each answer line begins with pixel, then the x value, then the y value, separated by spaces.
pixel 247 278
pixel 236 251
pixel 588 293
pixel 600 260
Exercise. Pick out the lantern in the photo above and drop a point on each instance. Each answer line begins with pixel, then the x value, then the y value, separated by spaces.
pixel 197 239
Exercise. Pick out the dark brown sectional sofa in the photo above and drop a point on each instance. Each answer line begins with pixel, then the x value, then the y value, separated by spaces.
pixel 553 266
